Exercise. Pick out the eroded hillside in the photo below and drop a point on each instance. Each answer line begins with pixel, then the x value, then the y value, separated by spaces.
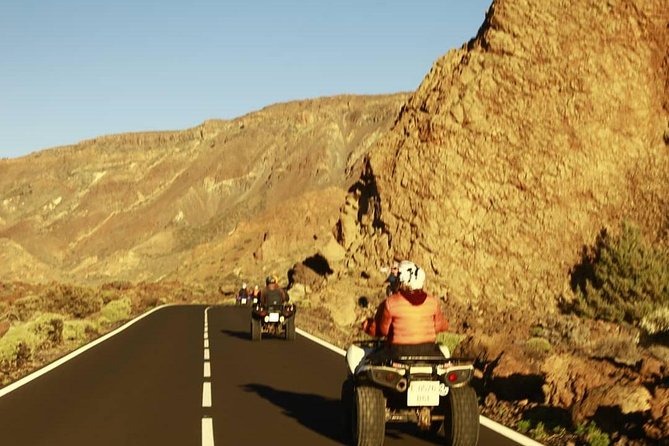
pixel 134 206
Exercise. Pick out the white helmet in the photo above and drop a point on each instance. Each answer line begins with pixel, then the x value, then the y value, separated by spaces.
pixel 244 285
pixel 411 275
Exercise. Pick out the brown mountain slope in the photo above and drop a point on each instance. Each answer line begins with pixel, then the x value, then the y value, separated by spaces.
pixel 518 148
pixel 131 206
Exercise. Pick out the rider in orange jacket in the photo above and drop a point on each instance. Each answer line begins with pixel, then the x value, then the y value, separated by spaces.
pixel 410 318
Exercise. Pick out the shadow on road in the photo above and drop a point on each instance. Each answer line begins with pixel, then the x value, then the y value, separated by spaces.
pixel 320 414
pixel 237 334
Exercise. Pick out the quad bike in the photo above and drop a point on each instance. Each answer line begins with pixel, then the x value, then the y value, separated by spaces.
pixel 243 300
pixel 431 391
pixel 276 320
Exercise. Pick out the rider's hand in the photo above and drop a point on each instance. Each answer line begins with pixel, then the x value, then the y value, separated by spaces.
pixel 367 323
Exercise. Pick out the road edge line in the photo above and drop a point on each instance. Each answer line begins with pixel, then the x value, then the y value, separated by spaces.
pixel 60 361
pixel 487 422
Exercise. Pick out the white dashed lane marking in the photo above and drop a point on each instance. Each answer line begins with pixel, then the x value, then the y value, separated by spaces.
pixel 207 432
pixel 207 422
pixel 206 395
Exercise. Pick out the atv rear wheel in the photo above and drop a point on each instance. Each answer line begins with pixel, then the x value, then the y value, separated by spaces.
pixel 290 329
pixel 256 330
pixel 369 416
pixel 461 423
pixel 347 411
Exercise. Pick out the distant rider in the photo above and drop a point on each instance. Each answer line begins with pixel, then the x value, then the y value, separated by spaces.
pixel 393 279
pixel 243 293
pixel 409 318
pixel 273 294
pixel 255 294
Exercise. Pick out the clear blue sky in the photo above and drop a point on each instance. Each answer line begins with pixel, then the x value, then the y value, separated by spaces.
pixel 76 69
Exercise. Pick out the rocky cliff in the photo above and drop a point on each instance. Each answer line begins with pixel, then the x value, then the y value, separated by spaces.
pixel 519 147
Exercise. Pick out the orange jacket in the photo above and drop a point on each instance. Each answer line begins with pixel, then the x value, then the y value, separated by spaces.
pixel 408 318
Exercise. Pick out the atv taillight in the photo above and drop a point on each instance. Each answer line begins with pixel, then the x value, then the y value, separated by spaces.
pixel 457 376
pixel 388 377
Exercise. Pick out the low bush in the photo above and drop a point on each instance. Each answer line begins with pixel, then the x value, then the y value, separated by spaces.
pixel 16 348
pixel 450 340
pixel 78 331
pixel 21 342
pixel 538 347
pixel 25 308
pixel 592 436
pixel 76 301
pixel 657 322
pixel 49 328
pixel 116 310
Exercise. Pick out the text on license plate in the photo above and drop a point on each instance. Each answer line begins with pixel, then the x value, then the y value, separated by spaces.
pixel 274 317
pixel 423 393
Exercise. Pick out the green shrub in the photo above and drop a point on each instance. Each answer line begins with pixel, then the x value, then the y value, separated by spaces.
pixel 49 327
pixel 538 347
pixel 25 308
pixel 116 310
pixel 524 426
pixel 79 330
pixel 657 322
pixel 16 347
pixel 450 340
pixel 539 432
pixel 592 436
pixel 622 278
pixel 20 343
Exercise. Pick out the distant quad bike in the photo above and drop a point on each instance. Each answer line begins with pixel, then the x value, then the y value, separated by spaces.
pixel 431 391
pixel 243 300
pixel 275 320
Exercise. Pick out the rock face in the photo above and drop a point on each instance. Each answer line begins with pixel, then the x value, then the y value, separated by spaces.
pixel 519 147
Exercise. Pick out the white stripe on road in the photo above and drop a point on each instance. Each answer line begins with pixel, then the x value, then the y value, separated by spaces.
pixel 207 432
pixel 206 354
pixel 26 379
pixel 325 344
pixel 206 343
pixel 207 369
pixel 206 394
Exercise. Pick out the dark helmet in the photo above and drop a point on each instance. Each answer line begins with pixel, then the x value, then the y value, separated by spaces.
pixel 271 279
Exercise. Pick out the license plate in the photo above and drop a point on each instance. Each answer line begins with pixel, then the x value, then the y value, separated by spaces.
pixel 274 317
pixel 423 393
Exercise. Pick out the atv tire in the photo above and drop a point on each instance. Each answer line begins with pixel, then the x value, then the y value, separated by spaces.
pixel 347 411
pixel 290 329
pixel 256 330
pixel 369 416
pixel 461 423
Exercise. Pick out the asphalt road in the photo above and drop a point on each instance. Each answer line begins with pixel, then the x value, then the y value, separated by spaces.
pixel 149 385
